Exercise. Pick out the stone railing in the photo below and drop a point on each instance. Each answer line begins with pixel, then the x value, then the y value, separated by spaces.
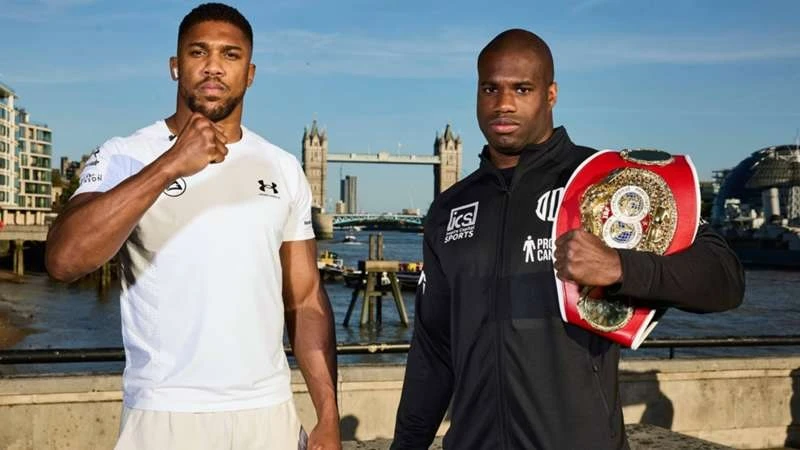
pixel 743 403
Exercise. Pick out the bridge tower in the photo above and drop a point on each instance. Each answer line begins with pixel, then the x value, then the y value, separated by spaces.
pixel 315 163
pixel 448 147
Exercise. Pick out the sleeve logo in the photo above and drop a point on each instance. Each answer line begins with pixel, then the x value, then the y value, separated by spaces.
pixel 176 188
pixel 93 159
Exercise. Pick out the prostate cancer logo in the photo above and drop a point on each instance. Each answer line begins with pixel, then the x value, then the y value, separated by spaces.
pixel 462 222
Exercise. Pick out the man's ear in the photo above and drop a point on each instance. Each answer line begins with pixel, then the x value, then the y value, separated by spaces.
pixel 173 67
pixel 251 74
pixel 552 94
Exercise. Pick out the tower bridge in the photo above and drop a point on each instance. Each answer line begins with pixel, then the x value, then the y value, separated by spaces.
pixel 446 160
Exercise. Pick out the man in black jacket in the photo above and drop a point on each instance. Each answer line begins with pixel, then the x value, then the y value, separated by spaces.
pixel 488 336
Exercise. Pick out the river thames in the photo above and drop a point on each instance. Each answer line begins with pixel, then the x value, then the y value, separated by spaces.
pixel 56 315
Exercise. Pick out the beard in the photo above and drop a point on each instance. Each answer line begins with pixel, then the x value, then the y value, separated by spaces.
pixel 508 150
pixel 505 144
pixel 216 113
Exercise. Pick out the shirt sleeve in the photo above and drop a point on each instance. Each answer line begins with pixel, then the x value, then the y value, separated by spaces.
pixel 706 277
pixel 428 383
pixel 298 226
pixel 106 167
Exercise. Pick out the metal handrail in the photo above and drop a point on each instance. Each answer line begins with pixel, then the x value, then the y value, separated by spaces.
pixel 117 354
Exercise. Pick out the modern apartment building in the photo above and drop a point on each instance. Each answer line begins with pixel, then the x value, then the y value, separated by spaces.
pixel 8 166
pixel 25 158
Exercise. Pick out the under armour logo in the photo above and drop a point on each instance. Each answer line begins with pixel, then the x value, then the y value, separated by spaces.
pixel 93 159
pixel 263 187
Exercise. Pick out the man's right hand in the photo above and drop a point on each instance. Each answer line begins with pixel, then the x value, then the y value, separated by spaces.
pixel 201 142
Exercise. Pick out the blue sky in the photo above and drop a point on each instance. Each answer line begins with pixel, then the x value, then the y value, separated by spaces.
pixel 713 79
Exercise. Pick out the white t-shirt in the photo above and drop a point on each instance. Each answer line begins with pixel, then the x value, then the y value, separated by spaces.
pixel 201 303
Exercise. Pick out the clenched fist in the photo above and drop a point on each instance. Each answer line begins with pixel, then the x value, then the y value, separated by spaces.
pixel 325 436
pixel 583 258
pixel 200 143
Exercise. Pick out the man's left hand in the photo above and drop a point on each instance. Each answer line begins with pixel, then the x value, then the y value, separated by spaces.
pixel 583 258
pixel 325 436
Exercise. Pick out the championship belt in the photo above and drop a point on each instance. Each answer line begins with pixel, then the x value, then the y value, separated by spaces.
pixel 645 200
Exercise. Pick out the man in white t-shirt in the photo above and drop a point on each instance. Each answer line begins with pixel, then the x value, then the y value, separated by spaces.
pixel 213 227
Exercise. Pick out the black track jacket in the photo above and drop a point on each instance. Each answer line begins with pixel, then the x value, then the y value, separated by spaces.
pixel 488 333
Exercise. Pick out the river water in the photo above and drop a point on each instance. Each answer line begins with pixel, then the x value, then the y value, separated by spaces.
pixel 73 316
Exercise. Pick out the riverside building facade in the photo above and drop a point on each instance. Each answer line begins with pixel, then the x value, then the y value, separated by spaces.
pixel 26 150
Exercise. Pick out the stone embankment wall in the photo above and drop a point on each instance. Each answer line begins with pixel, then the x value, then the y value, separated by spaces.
pixel 743 403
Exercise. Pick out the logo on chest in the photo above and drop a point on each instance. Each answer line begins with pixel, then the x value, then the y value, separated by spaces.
pixel 270 189
pixel 462 222
pixel 537 250
pixel 547 205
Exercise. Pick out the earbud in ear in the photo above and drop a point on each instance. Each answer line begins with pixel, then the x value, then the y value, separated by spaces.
pixel 175 73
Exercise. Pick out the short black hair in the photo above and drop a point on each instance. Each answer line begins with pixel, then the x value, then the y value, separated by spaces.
pixel 517 39
pixel 216 12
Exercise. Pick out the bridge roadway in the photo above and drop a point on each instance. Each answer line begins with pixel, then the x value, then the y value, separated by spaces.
pixel 356 219
pixel 383 157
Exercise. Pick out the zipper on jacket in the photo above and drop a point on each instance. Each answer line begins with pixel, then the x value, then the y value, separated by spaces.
pixel 595 368
pixel 501 407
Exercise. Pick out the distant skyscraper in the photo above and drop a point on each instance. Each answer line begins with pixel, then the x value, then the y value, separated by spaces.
pixel 25 157
pixel 352 194
pixel 8 166
pixel 348 193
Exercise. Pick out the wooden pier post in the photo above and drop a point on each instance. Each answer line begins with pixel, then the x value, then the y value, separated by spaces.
pixel 105 276
pixel 19 257
pixel 372 269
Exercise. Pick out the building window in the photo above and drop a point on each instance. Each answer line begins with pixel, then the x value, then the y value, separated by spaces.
pixel 43 135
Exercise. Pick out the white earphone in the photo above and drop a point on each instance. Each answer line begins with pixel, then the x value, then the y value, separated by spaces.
pixel 175 73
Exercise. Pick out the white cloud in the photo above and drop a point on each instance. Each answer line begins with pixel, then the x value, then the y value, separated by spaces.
pixel 452 54
pixel 599 51
pixel 66 75
pixel 586 5
pixel 302 51
pixel 64 3
pixel 448 54
pixel 37 11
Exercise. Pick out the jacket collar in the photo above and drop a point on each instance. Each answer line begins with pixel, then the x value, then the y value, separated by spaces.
pixel 548 153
